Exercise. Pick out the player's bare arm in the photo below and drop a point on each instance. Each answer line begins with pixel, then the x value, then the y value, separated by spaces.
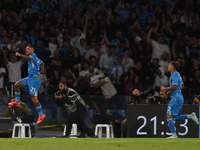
pixel 172 88
pixel 23 56
pixel 41 69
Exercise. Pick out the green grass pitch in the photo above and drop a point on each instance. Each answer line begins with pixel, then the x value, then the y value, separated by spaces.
pixel 100 144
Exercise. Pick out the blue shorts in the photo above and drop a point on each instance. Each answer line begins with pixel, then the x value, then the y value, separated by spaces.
pixel 32 84
pixel 175 105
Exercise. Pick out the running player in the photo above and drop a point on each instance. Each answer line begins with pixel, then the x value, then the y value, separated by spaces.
pixel 33 82
pixel 175 105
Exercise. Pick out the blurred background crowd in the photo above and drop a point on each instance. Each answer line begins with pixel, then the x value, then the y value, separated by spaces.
pixel 101 47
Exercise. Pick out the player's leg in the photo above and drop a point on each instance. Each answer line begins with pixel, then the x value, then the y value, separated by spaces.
pixel 39 108
pixel 170 119
pixel 17 86
pixel 34 85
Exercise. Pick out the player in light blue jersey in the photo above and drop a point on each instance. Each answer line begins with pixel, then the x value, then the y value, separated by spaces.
pixel 33 82
pixel 175 105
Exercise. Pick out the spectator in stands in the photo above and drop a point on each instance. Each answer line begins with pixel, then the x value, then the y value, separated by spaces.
pixel 144 14
pixel 153 69
pixel 36 6
pixel 59 36
pixel 14 70
pixel 93 61
pixel 107 61
pixel 7 45
pixel 82 47
pixel 75 62
pixel 41 51
pixel 116 41
pixel 2 74
pixel 85 68
pixel 115 73
pixel 52 46
pixel 161 79
pixel 65 51
pixel 164 62
pixel 31 39
pixel 55 79
pixel 27 8
pixel 80 34
pixel 158 47
pixel 15 42
pixel 55 64
pixel 94 51
pixel 91 70
pixel 119 49
pixel 124 13
pixel 134 84
pixel 108 91
pixel 127 61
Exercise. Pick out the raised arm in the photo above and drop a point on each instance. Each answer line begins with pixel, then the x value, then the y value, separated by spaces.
pixel 24 56
pixel 5 58
pixel 42 68
pixel 148 36
pixel 86 24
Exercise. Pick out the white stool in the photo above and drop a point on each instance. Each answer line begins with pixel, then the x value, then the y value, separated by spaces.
pixel 109 130
pixel 73 131
pixel 21 130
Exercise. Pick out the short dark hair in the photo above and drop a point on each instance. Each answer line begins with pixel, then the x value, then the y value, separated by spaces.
pixel 122 41
pixel 156 59
pixel 63 82
pixel 119 57
pixel 175 64
pixel 30 45
pixel 92 56
pixel 126 49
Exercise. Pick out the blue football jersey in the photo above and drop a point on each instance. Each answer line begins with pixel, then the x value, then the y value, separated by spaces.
pixel 175 79
pixel 34 66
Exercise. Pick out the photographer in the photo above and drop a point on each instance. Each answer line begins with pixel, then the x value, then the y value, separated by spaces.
pixel 17 113
pixel 75 106
pixel 197 100
pixel 137 97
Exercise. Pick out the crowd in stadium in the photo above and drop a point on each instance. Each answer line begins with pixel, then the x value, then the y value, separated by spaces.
pixel 102 49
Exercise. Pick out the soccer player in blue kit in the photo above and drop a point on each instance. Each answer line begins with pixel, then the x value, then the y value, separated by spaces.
pixel 175 105
pixel 33 82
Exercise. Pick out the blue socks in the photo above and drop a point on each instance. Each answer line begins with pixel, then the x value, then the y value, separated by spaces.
pixel 17 96
pixel 171 125
pixel 181 117
pixel 39 109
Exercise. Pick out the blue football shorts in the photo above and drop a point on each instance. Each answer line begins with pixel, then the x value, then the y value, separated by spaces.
pixel 32 84
pixel 175 105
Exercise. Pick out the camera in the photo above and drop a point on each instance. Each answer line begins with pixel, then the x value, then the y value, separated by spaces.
pixel 147 93
pixel 155 99
pixel 135 98
pixel 58 93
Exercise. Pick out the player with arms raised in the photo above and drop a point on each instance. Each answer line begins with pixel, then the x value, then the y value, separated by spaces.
pixel 33 82
pixel 175 105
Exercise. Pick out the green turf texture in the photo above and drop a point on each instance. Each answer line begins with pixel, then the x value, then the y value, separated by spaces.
pixel 100 144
